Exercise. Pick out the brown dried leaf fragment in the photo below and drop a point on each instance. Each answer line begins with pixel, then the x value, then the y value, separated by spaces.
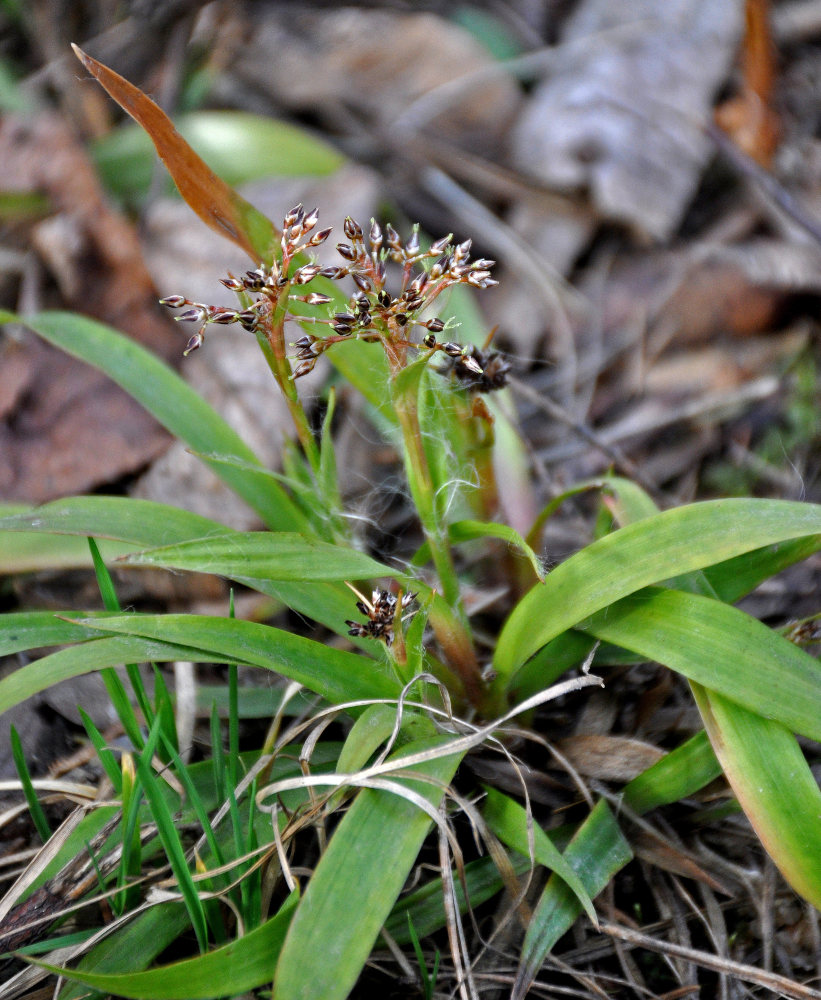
pixel 214 201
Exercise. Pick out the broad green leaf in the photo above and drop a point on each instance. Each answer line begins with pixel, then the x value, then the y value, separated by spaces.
pixel 360 876
pixel 722 648
pixel 132 947
pixel 243 965
pixel 645 552
pixel 508 820
pixel 169 399
pixel 774 784
pixel 680 773
pixel 22 630
pixel 238 146
pixel 596 853
pixel 256 555
pixel 217 204
pixel 123 519
pixel 334 674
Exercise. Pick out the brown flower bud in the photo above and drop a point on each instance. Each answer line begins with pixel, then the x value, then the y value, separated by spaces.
pixel 352 229
pixel 174 301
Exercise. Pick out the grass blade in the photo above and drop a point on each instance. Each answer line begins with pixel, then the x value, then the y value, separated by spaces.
pixel 642 553
pixel 360 875
pixel 236 968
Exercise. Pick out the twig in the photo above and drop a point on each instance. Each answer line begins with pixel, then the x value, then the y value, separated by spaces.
pixel 747 973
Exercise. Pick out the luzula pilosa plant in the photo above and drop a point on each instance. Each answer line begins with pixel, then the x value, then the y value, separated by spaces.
pixel 401 322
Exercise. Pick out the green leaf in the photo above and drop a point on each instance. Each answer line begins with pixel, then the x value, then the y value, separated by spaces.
pixel 774 784
pixel 722 648
pixel 335 674
pixel 508 820
pixel 678 774
pixel 596 853
pixel 171 401
pixel 124 519
pixel 644 552
pixel 264 556
pixel 243 965
pixel 360 875
pixel 21 630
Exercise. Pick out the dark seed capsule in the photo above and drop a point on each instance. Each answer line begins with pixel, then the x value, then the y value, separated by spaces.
pixel 295 215
pixel 194 343
pixel 383 299
pixel 303 275
pixel 333 272
pixel 401 319
pixel 190 314
pixel 319 237
pixel 352 229
pixel 452 350
pixel 429 340
pixel 343 329
pixel 317 298
pixel 225 318
pixel 344 317
pixel 304 368
pixel 435 325
pixel 361 282
pixel 345 251
pixel 304 341
pixel 310 220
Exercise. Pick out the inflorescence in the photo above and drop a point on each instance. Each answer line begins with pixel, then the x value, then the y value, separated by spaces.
pixel 372 313
pixel 381 614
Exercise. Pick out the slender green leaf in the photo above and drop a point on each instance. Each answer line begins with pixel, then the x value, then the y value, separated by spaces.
pixel 22 630
pixel 360 875
pixel 426 907
pixel 645 552
pixel 280 555
pixel 237 146
pixel 171 401
pixel 508 820
pixel 335 674
pixel 680 773
pixel 139 522
pixel 41 824
pixel 243 965
pixel 722 648
pixel 596 853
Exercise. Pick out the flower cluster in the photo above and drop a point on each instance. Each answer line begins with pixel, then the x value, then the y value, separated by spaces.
pixel 381 612
pixel 372 313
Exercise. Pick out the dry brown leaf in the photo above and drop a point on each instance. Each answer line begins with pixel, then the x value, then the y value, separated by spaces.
pixel 217 204
pixel 66 427
pixel 609 758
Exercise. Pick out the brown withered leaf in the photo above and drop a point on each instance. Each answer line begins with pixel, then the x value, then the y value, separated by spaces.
pixel 609 758
pixel 214 201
